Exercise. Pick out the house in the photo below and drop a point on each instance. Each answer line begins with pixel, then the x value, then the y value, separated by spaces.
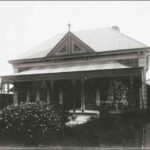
pixel 83 70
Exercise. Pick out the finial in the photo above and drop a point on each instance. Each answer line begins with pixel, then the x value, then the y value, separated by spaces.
pixel 69 25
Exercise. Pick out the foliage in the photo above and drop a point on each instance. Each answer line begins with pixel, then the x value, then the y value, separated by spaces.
pixel 32 122
pixel 122 130
pixel 44 124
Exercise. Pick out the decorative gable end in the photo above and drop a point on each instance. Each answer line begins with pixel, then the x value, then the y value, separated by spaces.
pixel 70 44
pixel 79 46
pixel 61 47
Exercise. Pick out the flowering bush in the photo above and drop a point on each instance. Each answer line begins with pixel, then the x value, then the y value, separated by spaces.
pixel 33 122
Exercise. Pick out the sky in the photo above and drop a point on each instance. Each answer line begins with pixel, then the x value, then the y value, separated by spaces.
pixel 26 24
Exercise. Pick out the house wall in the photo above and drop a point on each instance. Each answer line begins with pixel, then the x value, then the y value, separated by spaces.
pixel 134 59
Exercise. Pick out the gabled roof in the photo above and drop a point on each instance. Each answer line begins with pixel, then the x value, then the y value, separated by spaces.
pixel 108 39
pixel 99 40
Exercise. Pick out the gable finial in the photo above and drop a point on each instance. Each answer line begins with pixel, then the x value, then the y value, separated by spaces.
pixel 69 26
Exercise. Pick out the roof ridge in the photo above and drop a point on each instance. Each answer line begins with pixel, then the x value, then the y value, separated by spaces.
pixel 119 32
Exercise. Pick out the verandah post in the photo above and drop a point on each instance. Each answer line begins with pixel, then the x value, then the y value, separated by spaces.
pixel 7 93
pixel 37 95
pixel 141 93
pixel 48 96
pixel 144 89
pixel 28 95
pixel 15 95
pixel 73 84
pixel 82 95
pixel 51 90
pixel 131 88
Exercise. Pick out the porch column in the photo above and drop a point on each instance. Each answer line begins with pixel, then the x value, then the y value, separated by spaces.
pixel 8 92
pixel 7 88
pixel 144 89
pixel 141 96
pixel 37 95
pixel 142 63
pixel 82 95
pixel 15 96
pixel 48 96
pixel 73 98
pixel 98 100
pixel 51 90
pixel 143 92
pixel 28 95
pixel 131 89
pixel 61 100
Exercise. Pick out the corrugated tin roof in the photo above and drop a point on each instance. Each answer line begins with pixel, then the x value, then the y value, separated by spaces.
pixel 107 39
pixel 100 40
pixel 90 66
pixel 42 49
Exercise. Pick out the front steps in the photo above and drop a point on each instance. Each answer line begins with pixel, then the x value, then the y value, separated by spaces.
pixel 82 117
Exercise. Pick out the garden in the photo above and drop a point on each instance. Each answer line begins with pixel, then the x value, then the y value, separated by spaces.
pixel 32 124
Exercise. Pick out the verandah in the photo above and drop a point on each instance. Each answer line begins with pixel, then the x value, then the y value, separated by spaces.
pixel 82 94
pixel 81 90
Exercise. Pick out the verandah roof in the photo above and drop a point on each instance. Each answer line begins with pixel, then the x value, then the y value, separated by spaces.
pixel 91 66
pixel 91 69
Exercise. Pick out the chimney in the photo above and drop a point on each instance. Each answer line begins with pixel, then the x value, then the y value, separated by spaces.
pixel 116 28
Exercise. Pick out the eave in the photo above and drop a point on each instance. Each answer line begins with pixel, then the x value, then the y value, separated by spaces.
pixel 80 55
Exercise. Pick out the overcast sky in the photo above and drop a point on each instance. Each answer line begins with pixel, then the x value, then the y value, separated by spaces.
pixel 23 25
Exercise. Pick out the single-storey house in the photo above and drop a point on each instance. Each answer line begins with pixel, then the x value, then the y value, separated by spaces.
pixel 83 70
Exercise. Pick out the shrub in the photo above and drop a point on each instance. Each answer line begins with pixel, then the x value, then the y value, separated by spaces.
pixel 33 123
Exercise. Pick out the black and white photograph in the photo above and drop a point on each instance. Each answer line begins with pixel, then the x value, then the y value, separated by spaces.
pixel 75 75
